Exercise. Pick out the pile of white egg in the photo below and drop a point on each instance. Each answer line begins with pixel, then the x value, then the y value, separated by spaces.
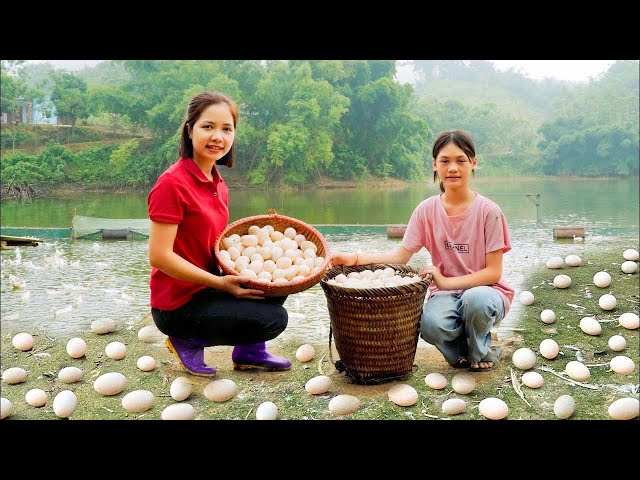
pixel 378 278
pixel 269 256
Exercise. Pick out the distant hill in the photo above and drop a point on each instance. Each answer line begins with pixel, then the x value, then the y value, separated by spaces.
pixel 477 93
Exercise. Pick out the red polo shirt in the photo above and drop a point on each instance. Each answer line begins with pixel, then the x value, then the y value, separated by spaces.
pixel 184 196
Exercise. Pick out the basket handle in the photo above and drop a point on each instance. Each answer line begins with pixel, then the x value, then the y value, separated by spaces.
pixel 272 211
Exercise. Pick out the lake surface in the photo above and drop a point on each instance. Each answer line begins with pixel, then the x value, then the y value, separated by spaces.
pixel 70 283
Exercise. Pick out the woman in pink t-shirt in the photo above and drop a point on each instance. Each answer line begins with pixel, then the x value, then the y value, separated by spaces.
pixel 466 235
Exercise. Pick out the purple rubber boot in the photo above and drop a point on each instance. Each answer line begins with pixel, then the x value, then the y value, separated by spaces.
pixel 190 355
pixel 255 355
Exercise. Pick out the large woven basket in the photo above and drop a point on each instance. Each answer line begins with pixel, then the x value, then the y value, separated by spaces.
pixel 375 330
pixel 279 222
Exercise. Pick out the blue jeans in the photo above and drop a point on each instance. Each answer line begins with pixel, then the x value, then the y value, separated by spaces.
pixel 459 324
pixel 218 318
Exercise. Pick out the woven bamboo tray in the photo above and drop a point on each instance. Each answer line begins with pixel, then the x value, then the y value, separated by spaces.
pixel 279 222
pixel 375 330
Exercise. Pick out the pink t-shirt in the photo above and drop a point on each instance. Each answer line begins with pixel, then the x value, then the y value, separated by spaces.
pixel 458 243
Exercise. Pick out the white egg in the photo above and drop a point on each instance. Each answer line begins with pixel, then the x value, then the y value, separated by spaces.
pixel 493 408
pixel 276 235
pixel 437 381
pixel 532 380
pixel 573 260
pixel 622 409
pixel 602 279
pixel 343 405
pixel 36 397
pixel 562 281
pixel 76 347
pixel 629 267
pixel 220 390
pixel 629 320
pixel 555 262
pixel 22 341
pixel 548 316
pixel 65 403
pixel 463 383
pixel 14 375
pixel 70 374
pixel 5 408
pixel 227 243
pixel 631 254
pixel 564 406
pixel 307 244
pixel 526 297
pixel 138 401
pixel 146 363
pixel 267 411
pixel 305 352
pixel 318 385
pixel 290 232
pixel 524 358
pixel 622 365
pixel 103 326
pixel 151 334
pixel 249 240
pixel 617 343
pixel 180 389
pixel 590 326
pixel 234 252
pixel 249 252
pixel 577 370
pixel 178 411
pixel 549 348
pixel 607 302
pixel 116 350
pixel 110 383
pixel 454 406
pixel 403 394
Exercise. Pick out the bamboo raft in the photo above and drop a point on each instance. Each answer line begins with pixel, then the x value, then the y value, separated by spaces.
pixel 8 241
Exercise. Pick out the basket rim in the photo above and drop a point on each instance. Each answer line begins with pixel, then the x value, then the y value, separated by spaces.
pixel 378 291
pixel 291 285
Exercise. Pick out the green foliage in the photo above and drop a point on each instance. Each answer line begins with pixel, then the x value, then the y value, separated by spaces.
pixel 347 119
pixel 69 95
pixel 121 157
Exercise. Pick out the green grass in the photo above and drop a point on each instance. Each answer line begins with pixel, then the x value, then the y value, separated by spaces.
pixel 286 389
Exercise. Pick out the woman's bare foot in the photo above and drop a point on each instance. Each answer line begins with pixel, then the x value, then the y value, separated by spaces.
pixel 482 366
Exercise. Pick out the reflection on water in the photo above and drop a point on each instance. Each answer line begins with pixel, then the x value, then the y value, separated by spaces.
pixel 72 283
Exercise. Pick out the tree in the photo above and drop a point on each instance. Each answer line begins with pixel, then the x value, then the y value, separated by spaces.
pixel 69 96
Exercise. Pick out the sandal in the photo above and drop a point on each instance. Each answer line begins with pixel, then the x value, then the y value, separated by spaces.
pixel 492 356
pixel 461 363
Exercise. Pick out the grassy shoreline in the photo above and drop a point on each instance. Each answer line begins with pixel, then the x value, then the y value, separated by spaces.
pixel 286 389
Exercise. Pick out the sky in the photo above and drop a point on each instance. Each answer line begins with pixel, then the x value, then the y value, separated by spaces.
pixel 572 70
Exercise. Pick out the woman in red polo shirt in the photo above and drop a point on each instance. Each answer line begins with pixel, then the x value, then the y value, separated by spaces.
pixel 191 301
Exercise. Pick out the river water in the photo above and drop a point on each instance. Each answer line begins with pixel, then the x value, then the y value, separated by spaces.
pixel 69 283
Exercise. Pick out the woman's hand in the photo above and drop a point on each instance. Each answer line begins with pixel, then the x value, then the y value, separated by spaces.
pixel 343 258
pixel 233 284
pixel 440 280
